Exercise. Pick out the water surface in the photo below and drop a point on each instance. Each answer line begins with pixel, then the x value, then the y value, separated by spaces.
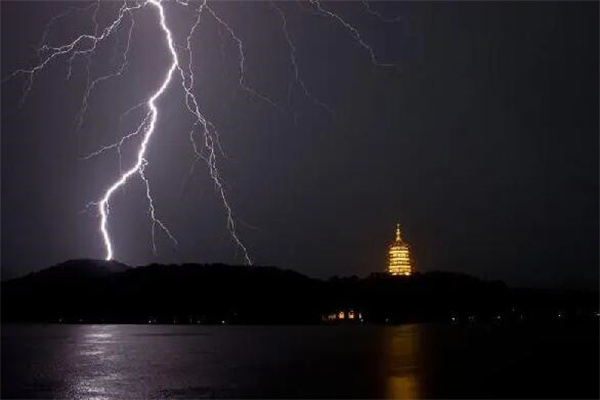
pixel 409 361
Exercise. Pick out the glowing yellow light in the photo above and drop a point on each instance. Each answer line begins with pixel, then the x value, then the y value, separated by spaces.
pixel 399 261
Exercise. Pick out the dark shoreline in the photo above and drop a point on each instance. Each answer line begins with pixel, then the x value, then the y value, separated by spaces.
pixel 88 291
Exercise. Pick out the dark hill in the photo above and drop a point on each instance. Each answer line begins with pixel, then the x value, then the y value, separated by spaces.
pixel 100 291
pixel 78 269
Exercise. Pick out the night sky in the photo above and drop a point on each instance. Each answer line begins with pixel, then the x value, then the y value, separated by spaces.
pixel 483 144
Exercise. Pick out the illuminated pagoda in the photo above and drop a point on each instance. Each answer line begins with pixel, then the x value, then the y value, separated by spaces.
pixel 399 262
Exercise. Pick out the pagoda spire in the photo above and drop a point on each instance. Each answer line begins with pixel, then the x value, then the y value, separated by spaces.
pixel 399 259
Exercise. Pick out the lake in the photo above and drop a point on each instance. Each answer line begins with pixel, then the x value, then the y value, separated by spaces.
pixel 342 361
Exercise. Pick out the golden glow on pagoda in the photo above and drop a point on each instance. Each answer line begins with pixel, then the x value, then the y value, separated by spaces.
pixel 399 262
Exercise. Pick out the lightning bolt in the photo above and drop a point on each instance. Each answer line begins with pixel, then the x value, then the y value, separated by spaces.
pixel 297 78
pixel 242 58
pixel 75 48
pixel 353 30
pixel 141 162
pixel 90 85
pixel 203 136
pixel 209 132
pixel 380 16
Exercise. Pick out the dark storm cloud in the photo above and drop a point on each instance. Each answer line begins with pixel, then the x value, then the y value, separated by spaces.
pixel 484 146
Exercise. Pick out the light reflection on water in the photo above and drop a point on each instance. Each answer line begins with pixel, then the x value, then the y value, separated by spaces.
pixel 153 361
pixel 97 361
pixel 403 359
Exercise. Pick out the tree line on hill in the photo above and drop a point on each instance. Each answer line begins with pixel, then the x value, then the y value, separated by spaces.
pixel 91 291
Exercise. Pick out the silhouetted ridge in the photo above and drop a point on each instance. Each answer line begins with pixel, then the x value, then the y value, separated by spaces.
pixel 81 268
pixel 101 291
